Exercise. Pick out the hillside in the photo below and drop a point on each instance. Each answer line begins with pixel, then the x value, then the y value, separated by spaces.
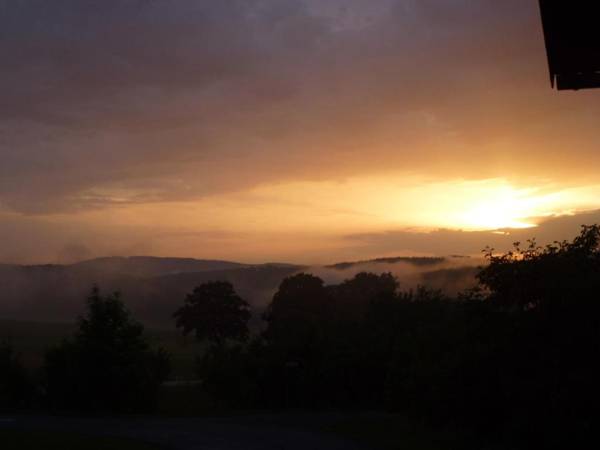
pixel 147 266
pixel 155 287
pixel 152 287
pixel 413 260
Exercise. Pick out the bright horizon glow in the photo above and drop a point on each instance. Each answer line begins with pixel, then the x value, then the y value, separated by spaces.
pixel 361 203
pixel 504 207
pixel 385 202
pixel 308 221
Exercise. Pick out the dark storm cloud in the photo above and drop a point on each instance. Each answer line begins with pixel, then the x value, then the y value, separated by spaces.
pixel 140 100
pixel 66 57
pixel 93 91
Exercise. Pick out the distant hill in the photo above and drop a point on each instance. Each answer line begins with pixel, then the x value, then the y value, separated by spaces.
pixel 414 260
pixel 451 274
pixel 153 287
pixel 147 266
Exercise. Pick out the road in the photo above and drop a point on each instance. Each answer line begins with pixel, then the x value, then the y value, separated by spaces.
pixel 251 432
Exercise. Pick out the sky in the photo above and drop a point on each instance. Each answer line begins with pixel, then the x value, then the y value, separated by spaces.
pixel 306 131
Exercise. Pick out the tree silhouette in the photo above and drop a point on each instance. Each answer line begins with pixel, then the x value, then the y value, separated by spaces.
pixel 353 296
pixel 512 363
pixel 299 309
pixel 107 365
pixel 545 300
pixel 214 312
pixel 549 279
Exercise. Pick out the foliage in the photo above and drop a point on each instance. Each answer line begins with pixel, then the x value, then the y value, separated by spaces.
pixel 549 279
pixel 297 316
pixel 352 297
pixel 107 365
pixel 512 362
pixel 214 312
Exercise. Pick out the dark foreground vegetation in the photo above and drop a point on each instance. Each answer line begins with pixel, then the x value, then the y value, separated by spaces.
pixel 511 364
pixel 19 440
pixel 106 366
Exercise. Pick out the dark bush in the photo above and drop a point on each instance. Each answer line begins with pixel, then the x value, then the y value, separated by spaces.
pixel 16 387
pixel 107 366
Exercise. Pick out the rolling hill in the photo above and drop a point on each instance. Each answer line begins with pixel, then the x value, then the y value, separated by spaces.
pixel 154 287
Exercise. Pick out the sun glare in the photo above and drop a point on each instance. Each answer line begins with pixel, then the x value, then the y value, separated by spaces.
pixel 508 208
pixel 386 203
pixel 490 204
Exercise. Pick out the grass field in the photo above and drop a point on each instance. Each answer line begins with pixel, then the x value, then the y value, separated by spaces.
pixel 43 440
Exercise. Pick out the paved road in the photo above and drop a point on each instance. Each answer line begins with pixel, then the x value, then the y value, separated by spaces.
pixel 255 432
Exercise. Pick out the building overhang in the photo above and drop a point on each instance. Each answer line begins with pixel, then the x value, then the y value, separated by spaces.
pixel 572 35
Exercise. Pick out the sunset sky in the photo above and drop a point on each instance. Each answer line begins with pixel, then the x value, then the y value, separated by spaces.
pixel 285 130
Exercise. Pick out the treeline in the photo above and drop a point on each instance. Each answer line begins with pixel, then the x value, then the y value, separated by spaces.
pixel 106 366
pixel 513 361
